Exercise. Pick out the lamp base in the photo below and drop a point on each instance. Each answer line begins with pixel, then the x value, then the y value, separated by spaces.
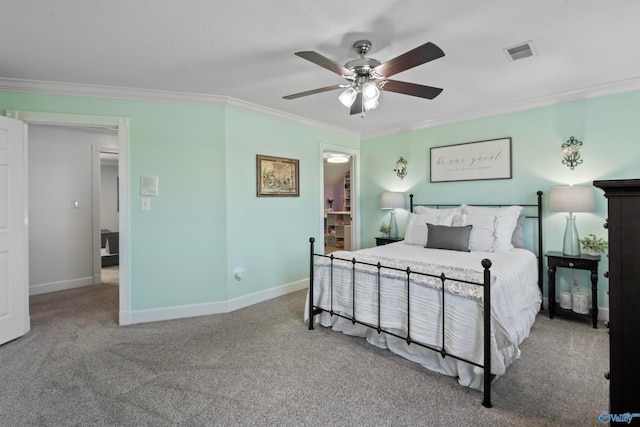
pixel 393 225
pixel 571 245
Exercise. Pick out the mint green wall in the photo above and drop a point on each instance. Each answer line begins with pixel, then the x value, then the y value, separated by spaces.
pixel 268 236
pixel 206 220
pixel 609 127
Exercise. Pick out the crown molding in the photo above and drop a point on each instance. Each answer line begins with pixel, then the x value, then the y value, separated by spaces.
pixel 611 88
pixel 136 94
pixel 115 92
pixel 248 107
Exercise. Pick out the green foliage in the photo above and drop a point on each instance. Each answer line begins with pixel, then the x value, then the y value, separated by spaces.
pixel 591 242
pixel 384 228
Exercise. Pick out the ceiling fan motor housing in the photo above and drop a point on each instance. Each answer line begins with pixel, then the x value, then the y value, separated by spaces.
pixel 362 66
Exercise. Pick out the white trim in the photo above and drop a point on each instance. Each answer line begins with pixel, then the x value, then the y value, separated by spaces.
pixel 95 214
pixel 542 101
pixel 122 126
pixel 124 218
pixel 45 288
pixel 53 119
pixel 248 107
pixel 115 92
pixel 219 307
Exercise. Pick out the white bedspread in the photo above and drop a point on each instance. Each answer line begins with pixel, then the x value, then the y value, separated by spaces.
pixel 515 300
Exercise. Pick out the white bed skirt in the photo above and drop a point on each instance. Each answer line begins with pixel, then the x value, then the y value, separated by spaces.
pixel 514 309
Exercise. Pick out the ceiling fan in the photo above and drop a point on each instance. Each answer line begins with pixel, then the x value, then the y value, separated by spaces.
pixel 367 76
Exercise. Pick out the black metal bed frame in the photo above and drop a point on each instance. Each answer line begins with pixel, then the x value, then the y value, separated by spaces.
pixel 486 285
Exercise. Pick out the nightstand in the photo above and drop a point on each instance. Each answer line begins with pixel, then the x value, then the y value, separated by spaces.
pixel 582 262
pixel 386 240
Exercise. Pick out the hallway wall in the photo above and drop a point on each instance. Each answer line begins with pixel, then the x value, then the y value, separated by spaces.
pixel 60 207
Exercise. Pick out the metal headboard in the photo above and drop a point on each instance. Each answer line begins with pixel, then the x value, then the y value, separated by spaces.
pixel 537 215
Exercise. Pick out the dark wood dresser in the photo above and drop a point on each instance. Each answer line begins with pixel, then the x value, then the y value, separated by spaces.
pixel 623 224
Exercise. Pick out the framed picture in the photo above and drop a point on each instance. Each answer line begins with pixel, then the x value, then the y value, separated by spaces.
pixel 472 161
pixel 277 176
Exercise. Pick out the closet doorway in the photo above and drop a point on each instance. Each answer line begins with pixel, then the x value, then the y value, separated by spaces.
pixel 339 200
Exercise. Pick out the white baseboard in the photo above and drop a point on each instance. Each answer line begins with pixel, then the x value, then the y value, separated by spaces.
pixel 45 288
pixel 218 307
pixel 603 313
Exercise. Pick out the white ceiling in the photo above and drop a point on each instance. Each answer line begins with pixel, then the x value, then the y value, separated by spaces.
pixel 244 49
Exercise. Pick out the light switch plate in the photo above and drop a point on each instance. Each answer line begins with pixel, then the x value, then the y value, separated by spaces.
pixel 145 204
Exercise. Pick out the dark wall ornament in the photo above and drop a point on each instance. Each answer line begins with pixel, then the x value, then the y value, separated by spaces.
pixel 401 168
pixel 571 153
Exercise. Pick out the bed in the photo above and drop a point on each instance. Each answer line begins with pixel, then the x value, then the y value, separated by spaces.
pixel 458 295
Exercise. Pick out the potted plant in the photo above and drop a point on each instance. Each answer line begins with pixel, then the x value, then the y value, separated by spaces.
pixel 593 245
pixel 384 229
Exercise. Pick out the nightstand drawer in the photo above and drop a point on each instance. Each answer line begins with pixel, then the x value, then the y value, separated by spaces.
pixel 567 263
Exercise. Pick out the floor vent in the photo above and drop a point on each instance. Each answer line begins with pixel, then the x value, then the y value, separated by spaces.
pixel 520 51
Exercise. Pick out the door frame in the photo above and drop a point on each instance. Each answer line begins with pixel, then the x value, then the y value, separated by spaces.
pixel 102 123
pixel 355 191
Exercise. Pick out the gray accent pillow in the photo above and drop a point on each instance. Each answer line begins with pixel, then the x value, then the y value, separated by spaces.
pixel 451 238
pixel 517 239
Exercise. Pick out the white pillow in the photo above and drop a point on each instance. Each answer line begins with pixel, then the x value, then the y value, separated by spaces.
pixel 492 227
pixel 416 232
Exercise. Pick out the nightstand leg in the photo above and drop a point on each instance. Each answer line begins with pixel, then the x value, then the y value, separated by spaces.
pixel 594 298
pixel 552 292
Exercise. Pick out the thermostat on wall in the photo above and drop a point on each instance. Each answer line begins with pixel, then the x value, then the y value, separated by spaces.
pixel 149 185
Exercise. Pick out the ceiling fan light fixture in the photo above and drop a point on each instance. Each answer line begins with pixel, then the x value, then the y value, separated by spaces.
pixel 370 92
pixel 368 76
pixel 338 159
pixel 370 104
pixel 348 96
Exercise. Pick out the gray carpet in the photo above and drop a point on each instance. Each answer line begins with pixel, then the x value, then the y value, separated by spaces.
pixel 261 366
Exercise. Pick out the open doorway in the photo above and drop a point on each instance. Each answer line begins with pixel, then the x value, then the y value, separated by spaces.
pixel 337 196
pixel 120 125
pixel 109 217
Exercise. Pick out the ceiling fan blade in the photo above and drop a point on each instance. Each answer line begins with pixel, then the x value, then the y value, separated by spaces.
pixel 327 63
pixel 412 89
pixel 425 53
pixel 311 92
pixel 356 107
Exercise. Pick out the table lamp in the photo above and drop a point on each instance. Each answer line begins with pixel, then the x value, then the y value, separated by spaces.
pixel 392 200
pixel 572 199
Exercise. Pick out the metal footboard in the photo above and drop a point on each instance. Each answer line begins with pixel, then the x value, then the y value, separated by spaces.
pixel 486 284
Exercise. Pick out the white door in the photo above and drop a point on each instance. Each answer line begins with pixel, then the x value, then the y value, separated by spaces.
pixel 14 268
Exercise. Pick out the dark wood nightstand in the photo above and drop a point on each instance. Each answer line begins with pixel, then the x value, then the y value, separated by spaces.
pixel 386 240
pixel 582 262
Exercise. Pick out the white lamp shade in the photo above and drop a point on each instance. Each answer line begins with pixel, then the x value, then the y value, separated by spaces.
pixel 572 199
pixel 371 104
pixel 348 96
pixel 392 200
pixel 370 91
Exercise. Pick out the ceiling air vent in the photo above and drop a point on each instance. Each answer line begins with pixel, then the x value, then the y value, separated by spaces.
pixel 520 51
